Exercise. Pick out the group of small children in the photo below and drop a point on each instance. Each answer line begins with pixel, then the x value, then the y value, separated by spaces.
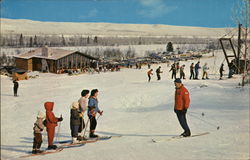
pixel 77 110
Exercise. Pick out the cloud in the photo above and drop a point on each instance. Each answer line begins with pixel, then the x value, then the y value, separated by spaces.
pixel 154 8
pixel 92 13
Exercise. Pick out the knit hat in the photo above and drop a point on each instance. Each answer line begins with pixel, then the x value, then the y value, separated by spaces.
pixel 177 80
pixel 40 115
pixel 75 105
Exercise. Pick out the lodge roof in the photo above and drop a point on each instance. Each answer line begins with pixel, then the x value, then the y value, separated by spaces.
pixel 53 54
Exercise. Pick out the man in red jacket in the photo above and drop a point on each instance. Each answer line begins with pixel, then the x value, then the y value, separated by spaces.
pixel 51 123
pixel 182 102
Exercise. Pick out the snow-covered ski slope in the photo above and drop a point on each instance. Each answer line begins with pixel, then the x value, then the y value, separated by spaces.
pixel 137 110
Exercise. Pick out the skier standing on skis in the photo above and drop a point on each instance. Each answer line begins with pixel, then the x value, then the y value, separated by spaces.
pixel 191 71
pixel 205 69
pixel 83 102
pixel 92 110
pixel 51 123
pixel 38 128
pixel 182 102
pixel 149 74
pixel 182 73
pixel 196 68
pixel 221 70
pixel 15 87
pixel 173 69
pixel 75 121
pixel 158 72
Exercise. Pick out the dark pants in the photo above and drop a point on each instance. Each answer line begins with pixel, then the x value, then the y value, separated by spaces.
pixel 221 74
pixel 191 74
pixel 82 125
pixel 182 75
pixel 181 115
pixel 230 74
pixel 196 74
pixel 93 123
pixel 149 78
pixel 74 130
pixel 158 77
pixel 174 75
pixel 15 91
pixel 37 141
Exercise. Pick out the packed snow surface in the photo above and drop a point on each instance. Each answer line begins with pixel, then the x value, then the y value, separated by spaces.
pixel 135 109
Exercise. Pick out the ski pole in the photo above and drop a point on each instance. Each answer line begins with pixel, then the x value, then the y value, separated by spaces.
pixel 203 114
pixel 58 130
pixel 98 117
pixel 217 127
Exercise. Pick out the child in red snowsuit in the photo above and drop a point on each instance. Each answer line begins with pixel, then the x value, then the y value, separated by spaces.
pixel 51 123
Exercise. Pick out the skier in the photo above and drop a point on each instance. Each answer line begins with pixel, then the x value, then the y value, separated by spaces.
pixel 231 67
pixel 205 69
pixel 173 69
pixel 182 102
pixel 221 71
pixel 158 71
pixel 92 110
pixel 177 67
pixel 149 74
pixel 16 85
pixel 51 123
pixel 75 121
pixel 149 65
pixel 38 128
pixel 83 102
pixel 192 71
pixel 182 74
pixel 196 68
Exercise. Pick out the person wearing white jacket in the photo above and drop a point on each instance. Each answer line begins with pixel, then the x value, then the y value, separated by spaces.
pixel 83 103
pixel 205 69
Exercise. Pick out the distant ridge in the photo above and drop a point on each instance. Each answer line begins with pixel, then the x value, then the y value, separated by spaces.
pixel 30 27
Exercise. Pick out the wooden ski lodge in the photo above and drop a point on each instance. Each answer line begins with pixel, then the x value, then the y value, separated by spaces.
pixel 53 60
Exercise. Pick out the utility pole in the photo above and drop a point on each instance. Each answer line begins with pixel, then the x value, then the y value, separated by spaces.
pixel 239 48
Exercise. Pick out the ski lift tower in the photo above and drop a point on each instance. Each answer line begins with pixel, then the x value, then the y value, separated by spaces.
pixel 235 56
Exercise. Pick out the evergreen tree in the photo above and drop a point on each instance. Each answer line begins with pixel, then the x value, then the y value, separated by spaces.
pixel 88 40
pixel 95 39
pixel 35 41
pixel 170 47
pixel 63 41
pixel 31 42
pixel 21 40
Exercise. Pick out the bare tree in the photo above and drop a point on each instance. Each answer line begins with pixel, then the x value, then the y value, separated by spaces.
pixel 241 16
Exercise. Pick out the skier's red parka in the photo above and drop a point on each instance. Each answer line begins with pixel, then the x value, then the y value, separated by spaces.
pixel 181 98
pixel 50 117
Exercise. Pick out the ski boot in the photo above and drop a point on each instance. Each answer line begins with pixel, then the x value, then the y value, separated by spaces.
pixel 186 133
pixel 92 135
pixel 50 147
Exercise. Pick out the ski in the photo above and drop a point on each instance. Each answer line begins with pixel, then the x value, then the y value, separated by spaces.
pixel 59 149
pixel 179 137
pixel 105 137
pixel 81 143
pixel 91 139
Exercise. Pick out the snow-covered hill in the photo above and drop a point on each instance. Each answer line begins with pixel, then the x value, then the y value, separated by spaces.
pixel 29 27
pixel 137 110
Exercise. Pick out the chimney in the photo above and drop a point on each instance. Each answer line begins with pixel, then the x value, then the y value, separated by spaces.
pixel 46 51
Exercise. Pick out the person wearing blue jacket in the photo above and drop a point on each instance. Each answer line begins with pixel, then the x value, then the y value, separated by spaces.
pixel 196 69
pixel 92 110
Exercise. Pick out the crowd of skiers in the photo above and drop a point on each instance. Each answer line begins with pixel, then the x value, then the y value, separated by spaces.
pixel 86 102
pixel 176 69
